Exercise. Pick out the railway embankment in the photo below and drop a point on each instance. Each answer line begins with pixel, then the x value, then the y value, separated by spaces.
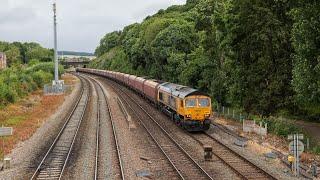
pixel 271 150
pixel 35 120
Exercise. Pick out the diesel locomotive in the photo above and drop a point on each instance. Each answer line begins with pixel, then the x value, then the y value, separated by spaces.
pixel 187 107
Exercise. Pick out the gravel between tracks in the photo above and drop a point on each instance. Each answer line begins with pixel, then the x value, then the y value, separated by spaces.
pixel 215 167
pixel 28 154
pixel 81 163
pixel 139 152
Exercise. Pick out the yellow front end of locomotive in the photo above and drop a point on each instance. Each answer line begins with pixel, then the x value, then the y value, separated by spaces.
pixel 196 108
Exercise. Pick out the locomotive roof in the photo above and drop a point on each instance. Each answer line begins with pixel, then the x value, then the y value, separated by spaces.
pixel 179 90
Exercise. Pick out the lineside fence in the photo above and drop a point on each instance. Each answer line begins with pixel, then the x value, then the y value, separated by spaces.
pixel 276 125
pixel 229 113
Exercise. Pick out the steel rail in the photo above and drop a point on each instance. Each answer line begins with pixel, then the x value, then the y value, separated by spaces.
pixel 37 171
pixel 97 137
pixel 163 130
pixel 113 127
pixel 220 146
pixel 270 176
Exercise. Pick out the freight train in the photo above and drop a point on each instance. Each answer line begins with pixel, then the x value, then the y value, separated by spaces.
pixel 187 107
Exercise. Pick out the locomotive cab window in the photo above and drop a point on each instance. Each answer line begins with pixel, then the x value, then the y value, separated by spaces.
pixel 190 102
pixel 203 102
pixel 161 96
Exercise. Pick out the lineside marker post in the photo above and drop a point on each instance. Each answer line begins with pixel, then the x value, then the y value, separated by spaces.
pixel 207 152
pixel 5 131
pixel 296 147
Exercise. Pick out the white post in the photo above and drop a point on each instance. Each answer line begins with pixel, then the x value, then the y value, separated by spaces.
pixel 295 154
pixel 297 145
pixel 243 125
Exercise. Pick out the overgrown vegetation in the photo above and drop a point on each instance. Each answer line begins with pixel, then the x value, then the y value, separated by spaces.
pixel 262 57
pixel 24 53
pixel 30 67
pixel 17 82
pixel 282 127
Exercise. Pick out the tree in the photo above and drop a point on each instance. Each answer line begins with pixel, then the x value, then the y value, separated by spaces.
pixel 13 55
pixel 306 42
pixel 260 57
pixel 108 42
pixel 179 37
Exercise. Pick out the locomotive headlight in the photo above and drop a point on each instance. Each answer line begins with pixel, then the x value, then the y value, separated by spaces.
pixel 189 115
pixel 207 115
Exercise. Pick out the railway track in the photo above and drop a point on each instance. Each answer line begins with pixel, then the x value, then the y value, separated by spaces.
pixel 54 161
pixel 185 166
pixel 239 164
pixel 102 105
pixel 228 131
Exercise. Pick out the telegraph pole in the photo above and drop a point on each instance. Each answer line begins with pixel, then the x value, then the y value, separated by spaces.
pixel 56 66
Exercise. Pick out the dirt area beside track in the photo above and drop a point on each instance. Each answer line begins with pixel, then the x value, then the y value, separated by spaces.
pixel 35 120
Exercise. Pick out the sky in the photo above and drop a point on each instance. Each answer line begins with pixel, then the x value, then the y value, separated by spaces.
pixel 81 23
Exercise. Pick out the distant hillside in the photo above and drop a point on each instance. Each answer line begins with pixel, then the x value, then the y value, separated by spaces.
pixel 75 53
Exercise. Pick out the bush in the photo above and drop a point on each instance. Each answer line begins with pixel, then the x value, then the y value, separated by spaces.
pixel 7 95
pixel 282 127
pixel 316 149
pixel 17 82
pixel 46 67
pixel 40 78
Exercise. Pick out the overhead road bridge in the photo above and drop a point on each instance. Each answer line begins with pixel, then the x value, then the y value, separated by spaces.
pixel 75 63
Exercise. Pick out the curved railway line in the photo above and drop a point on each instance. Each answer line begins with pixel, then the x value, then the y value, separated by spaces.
pixel 239 164
pixel 242 166
pixel 185 166
pixel 102 105
pixel 55 160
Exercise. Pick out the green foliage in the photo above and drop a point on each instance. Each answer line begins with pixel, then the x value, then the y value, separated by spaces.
pixel 260 61
pixel 262 57
pixel 282 127
pixel 33 62
pixel 115 59
pixel 316 149
pixel 17 82
pixel 108 42
pixel 45 67
pixel 306 42
pixel 18 53
pixel 14 121
pixel 40 77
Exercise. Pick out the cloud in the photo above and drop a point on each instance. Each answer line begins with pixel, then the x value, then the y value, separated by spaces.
pixel 16 15
pixel 81 23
